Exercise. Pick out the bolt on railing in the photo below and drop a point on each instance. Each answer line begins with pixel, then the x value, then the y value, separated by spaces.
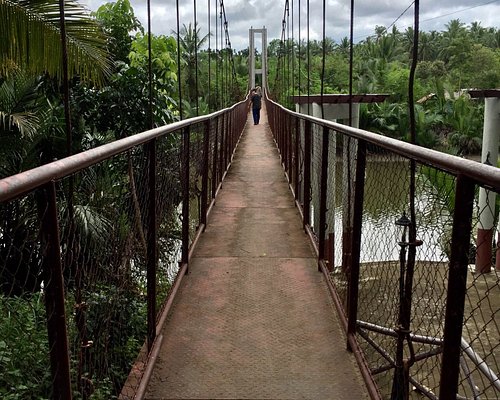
pixel 139 206
pixel 430 326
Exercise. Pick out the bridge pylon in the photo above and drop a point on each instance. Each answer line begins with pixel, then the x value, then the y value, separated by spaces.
pixel 256 73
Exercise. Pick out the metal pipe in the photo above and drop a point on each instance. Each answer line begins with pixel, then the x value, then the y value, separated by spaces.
pixel 296 159
pixel 480 364
pixel 146 376
pixel 204 181
pixel 468 376
pixel 355 250
pixel 457 279
pixel 16 185
pixel 391 332
pixel 54 294
pixel 486 175
pixel 215 162
pixel 373 390
pixel 307 174
pixel 322 195
pixel 185 196
pixel 152 244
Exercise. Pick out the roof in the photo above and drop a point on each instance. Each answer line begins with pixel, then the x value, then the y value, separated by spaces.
pixel 478 93
pixel 340 98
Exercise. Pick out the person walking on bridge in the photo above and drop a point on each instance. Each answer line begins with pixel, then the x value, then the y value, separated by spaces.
pixel 256 99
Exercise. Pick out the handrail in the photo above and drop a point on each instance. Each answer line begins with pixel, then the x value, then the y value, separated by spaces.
pixel 16 185
pixel 484 174
pixel 340 233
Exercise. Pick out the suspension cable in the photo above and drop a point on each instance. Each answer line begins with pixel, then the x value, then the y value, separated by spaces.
pixel 293 50
pixel 308 60
pixel 351 60
pixel 287 102
pixel 300 48
pixel 196 57
pixel 221 53
pixel 323 62
pixel 209 99
pixel 179 61
pixel 413 128
pixel 216 54
pixel 150 71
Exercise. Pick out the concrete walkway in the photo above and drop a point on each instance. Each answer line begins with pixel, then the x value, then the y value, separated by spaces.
pixel 253 319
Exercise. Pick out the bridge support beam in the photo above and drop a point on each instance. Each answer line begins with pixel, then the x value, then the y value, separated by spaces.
pixel 487 198
pixel 253 71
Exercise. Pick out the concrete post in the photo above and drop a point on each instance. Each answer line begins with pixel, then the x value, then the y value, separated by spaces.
pixel 251 57
pixel 491 134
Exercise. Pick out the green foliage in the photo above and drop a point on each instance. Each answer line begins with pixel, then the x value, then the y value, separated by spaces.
pixel 116 322
pixel 118 21
pixel 30 40
pixel 23 348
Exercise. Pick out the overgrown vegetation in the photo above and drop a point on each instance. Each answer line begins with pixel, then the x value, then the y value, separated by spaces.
pixel 452 61
pixel 104 241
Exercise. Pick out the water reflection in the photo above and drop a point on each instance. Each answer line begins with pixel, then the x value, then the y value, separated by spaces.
pixel 385 199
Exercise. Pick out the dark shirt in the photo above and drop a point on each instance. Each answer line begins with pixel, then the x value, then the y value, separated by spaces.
pixel 256 101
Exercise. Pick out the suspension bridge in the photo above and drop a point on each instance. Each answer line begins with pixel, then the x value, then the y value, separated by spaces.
pixel 297 258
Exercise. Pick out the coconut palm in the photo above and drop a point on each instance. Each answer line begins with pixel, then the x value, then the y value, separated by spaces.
pixel 30 39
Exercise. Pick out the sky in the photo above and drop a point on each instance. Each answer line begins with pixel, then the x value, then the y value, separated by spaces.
pixel 244 14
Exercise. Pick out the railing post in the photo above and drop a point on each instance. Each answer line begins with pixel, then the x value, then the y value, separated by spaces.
pixel 226 140
pixel 151 244
pixel 322 198
pixel 353 268
pixel 204 179
pixel 221 149
pixel 457 287
pixel 296 160
pixel 215 160
pixel 307 173
pixel 289 144
pixel 232 133
pixel 185 197
pixel 54 294
pixel 286 123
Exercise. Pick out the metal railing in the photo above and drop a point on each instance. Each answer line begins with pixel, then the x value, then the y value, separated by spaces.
pixel 422 325
pixel 86 275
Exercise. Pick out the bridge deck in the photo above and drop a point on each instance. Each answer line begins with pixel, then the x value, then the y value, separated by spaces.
pixel 253 319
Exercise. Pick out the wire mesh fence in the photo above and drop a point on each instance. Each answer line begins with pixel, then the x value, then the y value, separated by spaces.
pixel 424 269
pixel 90 249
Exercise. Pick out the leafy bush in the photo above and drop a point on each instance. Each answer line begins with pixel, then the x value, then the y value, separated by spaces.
pixel 24 350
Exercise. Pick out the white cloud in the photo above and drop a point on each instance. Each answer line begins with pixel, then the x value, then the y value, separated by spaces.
pixel 243 14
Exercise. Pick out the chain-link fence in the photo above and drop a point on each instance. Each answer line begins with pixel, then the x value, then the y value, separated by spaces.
pixel 90 249
pixel 407 239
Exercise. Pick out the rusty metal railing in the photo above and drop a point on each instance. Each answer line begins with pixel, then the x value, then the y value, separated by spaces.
pixel 105 277
pixel 352 189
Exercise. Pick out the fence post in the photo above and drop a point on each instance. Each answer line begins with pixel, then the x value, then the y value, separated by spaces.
pixel 204 181
pixel 307 173
pixel 221 149
pixel 290 148
pixel 151 244
pixel 185 197
pixel 54 294
pixel 322 196
pixel 215 180
pixel 297 158
pixel 457 287
pixel 353 268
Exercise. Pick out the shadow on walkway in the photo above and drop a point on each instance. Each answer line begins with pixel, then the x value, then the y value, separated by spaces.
pixel 253 319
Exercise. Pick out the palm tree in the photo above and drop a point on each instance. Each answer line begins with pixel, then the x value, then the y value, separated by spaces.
pixel 30 39
pixel 191 41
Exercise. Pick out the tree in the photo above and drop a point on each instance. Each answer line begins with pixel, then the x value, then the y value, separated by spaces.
pixel 119 22
pixel 191 41
pixel 30 40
